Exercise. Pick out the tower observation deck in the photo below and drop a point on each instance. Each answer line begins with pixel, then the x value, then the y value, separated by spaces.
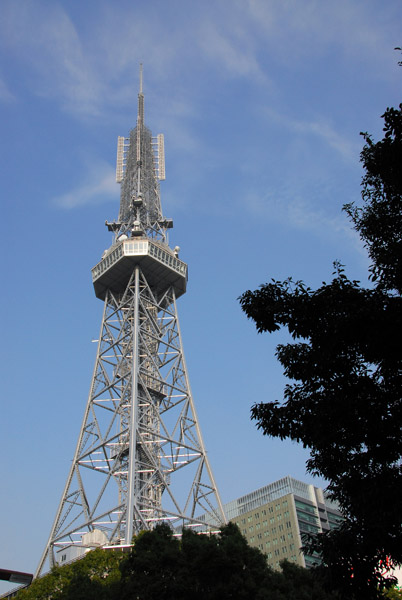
pixel 140 458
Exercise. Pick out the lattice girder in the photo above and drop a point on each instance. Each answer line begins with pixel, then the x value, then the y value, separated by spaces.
pixel 140 456
pixel 168 440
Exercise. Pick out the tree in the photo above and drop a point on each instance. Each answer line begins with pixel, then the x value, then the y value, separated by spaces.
pixel 345 365
pixel 393 594
pixel 96 576
pixel 379 222
pixel 163 566
pixel 209 567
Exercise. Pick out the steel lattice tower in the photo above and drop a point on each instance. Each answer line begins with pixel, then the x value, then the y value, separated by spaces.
pixel 140 458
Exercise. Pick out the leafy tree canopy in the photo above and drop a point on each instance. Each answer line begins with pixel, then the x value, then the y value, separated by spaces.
pixel 198 566
pixel 343 401
pixel 393 594
pixel 94 577
pixel 162 566
pixel 379 221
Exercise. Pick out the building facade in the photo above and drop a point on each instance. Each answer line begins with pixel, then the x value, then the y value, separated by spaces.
pixel 274 518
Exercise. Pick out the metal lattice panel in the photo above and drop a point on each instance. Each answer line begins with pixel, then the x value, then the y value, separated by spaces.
pixel 140 458
pixel 151 211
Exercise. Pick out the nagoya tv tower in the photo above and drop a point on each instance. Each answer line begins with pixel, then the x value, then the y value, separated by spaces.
pixel 140 458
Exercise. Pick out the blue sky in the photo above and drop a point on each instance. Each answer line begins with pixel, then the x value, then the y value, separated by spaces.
pixel 261 103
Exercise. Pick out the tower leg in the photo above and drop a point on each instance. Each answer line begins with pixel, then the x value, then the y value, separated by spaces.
pixel 140 457
pixel 132 463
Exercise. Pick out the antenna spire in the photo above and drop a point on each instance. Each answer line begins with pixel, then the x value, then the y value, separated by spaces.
pixel 140 167
pixel 140 115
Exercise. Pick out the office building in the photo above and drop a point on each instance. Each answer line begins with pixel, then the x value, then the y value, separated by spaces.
pixel 274 518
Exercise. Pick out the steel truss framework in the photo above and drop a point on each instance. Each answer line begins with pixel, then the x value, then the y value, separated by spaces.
pixel 127 461
pixel 140 458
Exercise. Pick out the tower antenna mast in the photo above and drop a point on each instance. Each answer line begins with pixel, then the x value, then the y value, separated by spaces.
pixel 140 457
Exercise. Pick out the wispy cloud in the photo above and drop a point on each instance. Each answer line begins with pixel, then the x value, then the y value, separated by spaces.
pixel 324 130
pixel 98 187
pixel 230 51
pixel 44 39
pixel 91 64
pixel 85 69
pixel 296 31
pixel 5 93
pixel 320 127
pixel 86 72
pixel 290 207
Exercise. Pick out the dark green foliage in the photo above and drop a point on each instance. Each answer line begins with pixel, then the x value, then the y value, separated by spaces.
pixel 379 222
pixel 344 399
pixel 94 577
pixel 199 567
pixel 302 584
pixel 163 567
pixel 210 567
pixel 400 50
pixel 393 594
pixel 151 571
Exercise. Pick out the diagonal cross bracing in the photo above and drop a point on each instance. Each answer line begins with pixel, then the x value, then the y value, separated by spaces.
pixel 140 458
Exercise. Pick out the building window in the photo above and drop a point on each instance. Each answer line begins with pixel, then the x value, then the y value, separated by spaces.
pixel 311 561
pixel 308 528
pixel 334 520
pixel 305 517
pixel 305 507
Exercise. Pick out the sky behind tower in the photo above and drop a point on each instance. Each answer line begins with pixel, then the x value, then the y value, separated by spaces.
pixel 261 103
